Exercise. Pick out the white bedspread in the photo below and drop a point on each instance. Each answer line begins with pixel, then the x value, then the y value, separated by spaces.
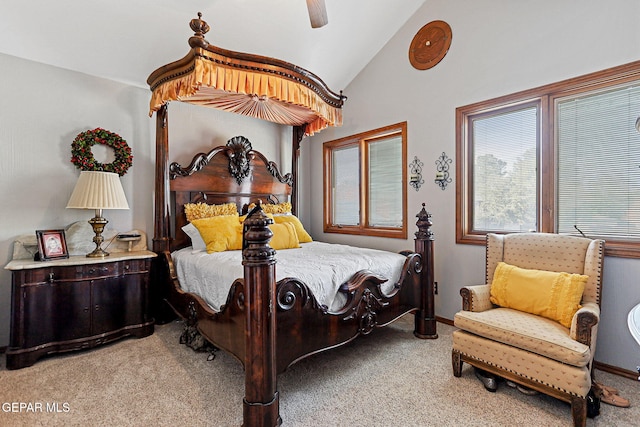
pixel 323 267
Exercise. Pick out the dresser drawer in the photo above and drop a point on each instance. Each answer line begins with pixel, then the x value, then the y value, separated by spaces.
pixel 67 273
pixel 135 266
pixel 83 272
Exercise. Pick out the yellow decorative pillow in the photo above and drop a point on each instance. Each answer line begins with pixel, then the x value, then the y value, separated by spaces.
pixel 549 294
pixel 284 207
pixel 284 236
pixel 203 210
pixel 292 219
pixel 220 233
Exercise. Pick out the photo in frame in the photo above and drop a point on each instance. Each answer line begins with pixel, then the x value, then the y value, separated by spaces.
pixel 51 244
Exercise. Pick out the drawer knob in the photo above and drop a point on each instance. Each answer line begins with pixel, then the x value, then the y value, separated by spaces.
pixel 51 277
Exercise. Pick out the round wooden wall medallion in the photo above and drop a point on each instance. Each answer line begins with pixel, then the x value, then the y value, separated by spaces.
pixel 430 44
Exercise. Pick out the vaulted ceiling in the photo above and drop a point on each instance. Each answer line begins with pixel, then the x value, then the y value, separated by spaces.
pixel 125 40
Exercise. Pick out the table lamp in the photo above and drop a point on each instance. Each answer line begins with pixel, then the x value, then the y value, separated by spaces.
pixel 98 190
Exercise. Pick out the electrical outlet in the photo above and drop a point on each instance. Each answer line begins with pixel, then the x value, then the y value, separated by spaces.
pixel 435 291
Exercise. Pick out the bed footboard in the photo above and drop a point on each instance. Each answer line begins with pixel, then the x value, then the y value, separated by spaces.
pixel 268 326
pixel 304 327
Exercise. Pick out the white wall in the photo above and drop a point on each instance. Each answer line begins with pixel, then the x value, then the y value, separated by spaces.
pixel 43 108
pixel 194 129
pixel 499 47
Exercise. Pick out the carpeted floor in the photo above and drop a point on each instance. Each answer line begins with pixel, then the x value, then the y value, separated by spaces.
pixel 389 378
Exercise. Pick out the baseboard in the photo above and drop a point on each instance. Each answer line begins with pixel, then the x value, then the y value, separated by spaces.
pixel 615 370
pixel 443 320
pixel 597 365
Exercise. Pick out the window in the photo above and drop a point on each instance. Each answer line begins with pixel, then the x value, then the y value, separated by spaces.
pixel 503 169
pixel 599 163
pixel 365 183
pixel 562 158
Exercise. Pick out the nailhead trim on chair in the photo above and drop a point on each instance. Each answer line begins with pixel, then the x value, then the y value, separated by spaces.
pixel 601 252
pixel 527 332
pixel 502 368
pixel 524 364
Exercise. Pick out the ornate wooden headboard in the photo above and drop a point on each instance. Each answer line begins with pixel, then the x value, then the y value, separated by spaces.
pixel 230 173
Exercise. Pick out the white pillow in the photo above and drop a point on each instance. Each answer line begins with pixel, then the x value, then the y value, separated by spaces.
pixel 197 243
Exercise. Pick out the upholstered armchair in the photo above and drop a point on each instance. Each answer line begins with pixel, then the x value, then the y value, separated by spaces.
pixel 523 339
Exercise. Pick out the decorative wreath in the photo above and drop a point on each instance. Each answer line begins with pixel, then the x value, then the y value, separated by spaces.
pixel 82 156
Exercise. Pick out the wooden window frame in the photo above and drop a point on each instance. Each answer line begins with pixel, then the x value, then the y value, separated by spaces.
pixel 547 96
pixel 362 140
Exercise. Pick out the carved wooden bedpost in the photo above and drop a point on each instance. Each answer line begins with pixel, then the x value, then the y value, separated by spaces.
pixel 298 134
pixel 261 403
pixel 162 313
pixel 425 320
pixel 161 234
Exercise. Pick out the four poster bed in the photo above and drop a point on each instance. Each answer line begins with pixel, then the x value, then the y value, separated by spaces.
pixel 268 317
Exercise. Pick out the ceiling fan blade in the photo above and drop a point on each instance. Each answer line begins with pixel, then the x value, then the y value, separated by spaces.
pixel 317 13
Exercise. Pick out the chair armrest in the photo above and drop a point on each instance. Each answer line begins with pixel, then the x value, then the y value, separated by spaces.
pixel 583 322
pixel 476 298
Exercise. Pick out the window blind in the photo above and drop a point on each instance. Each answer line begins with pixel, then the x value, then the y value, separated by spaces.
pixel 599 163
pixel 346 186
pixel 504 170
pixel 385 182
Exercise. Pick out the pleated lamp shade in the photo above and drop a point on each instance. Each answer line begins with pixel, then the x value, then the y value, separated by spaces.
pixel 98 190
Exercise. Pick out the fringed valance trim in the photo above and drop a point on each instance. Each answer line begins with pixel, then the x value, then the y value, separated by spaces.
pixel 257 86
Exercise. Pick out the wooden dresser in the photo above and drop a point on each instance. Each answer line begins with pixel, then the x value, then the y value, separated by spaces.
pixel 77 303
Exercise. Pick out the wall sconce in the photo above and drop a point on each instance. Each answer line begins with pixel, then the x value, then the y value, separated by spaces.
pixel 442 171
pixel 415 173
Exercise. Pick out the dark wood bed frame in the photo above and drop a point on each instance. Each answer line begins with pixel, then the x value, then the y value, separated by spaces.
pixel 266 325
pixel 246 327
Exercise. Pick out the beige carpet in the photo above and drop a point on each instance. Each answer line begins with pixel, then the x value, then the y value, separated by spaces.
pixel 389 378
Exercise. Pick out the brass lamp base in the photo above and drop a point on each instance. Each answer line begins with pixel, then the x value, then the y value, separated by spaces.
pixel 98 223
pixel 98 253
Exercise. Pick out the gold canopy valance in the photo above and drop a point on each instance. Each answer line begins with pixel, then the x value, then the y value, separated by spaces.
pixel 252 85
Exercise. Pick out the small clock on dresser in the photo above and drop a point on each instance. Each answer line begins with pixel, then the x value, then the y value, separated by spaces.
pixel 430 44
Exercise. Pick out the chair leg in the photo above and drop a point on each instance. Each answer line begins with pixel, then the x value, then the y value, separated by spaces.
pixel 456 361
pixel 579 411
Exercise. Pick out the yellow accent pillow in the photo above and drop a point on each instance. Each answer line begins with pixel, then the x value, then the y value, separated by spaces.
pixel 284 207
pixel 549 294
pixel 284 236
pixel 220 233
pixel 203 210
pixel 292 219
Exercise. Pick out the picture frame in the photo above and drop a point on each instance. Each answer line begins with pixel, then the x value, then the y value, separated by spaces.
pixel 52 244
